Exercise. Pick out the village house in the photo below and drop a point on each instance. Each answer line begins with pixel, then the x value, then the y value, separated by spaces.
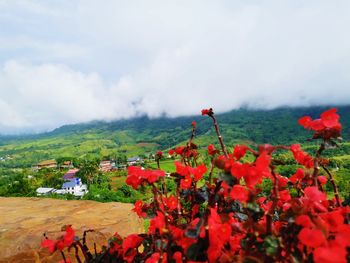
pixel 70 174
pixel 106 166
pixel 66 164
pixel 44 191
pixel 72 186
pixel 46 164
pixel 134 160
pixel 75 187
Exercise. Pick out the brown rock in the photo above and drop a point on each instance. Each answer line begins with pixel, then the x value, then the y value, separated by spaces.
pixel 24 220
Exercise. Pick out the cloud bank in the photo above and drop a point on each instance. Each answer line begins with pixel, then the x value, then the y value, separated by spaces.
pixel 75 61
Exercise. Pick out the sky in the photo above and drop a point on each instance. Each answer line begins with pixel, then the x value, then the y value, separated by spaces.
pixel 72 61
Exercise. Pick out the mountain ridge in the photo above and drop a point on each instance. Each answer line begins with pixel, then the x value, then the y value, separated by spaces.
pixel 143 135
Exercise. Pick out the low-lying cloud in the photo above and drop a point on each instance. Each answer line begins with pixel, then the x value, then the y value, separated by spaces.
pixel 89 60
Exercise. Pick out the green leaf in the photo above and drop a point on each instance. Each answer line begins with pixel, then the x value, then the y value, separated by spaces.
pixel 271 245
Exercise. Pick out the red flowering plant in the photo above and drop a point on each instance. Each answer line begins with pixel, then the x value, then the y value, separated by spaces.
pixel 220 213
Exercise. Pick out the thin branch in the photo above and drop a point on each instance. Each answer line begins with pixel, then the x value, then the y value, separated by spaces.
pixel 274 203
pixel 219 135
pixel 316 163
pixel 335 188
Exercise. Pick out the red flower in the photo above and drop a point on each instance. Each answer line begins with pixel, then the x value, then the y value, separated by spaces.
pixel 155 258
pixel 157 222
pixel 198 172
pixel 305 122
pixel 129 245
pixel 239 170
pixel 159 154
pixel 303 220
pixel 219 234
pixel 49 244
pixel 253 177
pixel 239 151
pixel 299 175
pixel 179 150
pixel 205 112
pixel 116 244
pixel 282 181
pixel 171 202
pixel 326 127
pixel 186 183
pixel 317 125
pixel 343 236
pixel 268 148
pixel 330 255
pixel 178 257
pixel 212 150
pixel 334 219
pixel 284 196
pixel 262 162
pixel 153 175
pixel 311 237
pixel 194 124
pixel 182 169
pixel 313 194
pixel 134 177
pixel 68 237
pixel 60 244
pixel 301 157
pixel 240 193
pixel 330 118
pixel 137 175
pixel 138 209
pixel 322 179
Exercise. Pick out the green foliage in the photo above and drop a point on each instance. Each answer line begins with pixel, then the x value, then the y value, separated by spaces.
pixel 102 194
pixel 88 170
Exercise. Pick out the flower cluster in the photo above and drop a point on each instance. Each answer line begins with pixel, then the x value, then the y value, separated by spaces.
pixel 326 127
pixel 219 211
pixel 65 241
pixel 138 176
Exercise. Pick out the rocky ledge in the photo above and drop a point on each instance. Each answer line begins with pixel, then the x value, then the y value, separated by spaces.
pixel 24 220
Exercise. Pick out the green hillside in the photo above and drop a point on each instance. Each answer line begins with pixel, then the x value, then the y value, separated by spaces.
pixel 143 135
pixel 89 142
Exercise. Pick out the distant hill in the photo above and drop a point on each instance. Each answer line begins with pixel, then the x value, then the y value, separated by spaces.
pixel 143 135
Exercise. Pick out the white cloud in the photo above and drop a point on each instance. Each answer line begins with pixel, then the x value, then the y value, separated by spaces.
pixel 88 60
pixel 39 97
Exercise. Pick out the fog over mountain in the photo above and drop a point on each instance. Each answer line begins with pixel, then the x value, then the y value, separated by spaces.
pixel 73 61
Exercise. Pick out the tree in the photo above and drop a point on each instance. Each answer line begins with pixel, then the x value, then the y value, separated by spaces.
pixel 88 169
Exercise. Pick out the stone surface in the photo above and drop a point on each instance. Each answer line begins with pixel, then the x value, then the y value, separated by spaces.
pixel 24 220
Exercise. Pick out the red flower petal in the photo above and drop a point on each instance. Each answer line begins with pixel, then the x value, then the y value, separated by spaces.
pixel 240 193
pixel 305 122
pixel 311 237
pixel 303 220
pixel 49 244
pixel 330 118
pixel 313 194
pixel 330 255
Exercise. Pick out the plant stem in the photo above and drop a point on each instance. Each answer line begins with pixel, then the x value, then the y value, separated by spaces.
pixel 77 253
pixel 316 163
pixel 274 203
pixel 191 138
pixel 64 257
pixel 335 188
pixel 219 135
pixel 211 171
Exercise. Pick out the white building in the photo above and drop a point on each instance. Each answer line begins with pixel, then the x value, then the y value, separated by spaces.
pixel 134 160
pixel 75 187
pixel 44 191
